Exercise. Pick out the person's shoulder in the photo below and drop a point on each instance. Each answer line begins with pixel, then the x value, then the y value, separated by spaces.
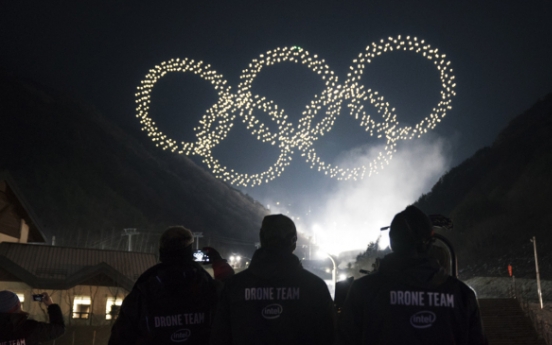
pixel 465 288
pixel 368 279
pixel 32 324
pixel 238 278
pixel 150 272
pixel 366 287
pixel 201 270
pixel 309 275
pixel 311 278
pixel 29 325
pixel 238 281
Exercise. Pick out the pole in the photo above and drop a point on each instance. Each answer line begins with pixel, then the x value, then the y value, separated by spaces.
pixel 197 236
pixel 534 240
pixel 130 232
pixel 514 286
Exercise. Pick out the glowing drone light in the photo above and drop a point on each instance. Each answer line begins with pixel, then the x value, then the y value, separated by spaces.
pixel 219 119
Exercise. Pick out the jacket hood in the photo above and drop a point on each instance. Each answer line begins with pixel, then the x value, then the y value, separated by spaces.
pixel 274 264
pixel 423 272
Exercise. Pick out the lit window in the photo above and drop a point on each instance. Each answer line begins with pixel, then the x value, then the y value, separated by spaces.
pixel 21 297
pixel 81 307
pixel 112 308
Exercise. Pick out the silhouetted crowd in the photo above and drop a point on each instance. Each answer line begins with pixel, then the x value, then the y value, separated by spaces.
pixel 409 299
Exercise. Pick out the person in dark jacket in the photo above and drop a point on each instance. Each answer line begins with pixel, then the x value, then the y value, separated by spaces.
pixel 172 302
pixel 17 328
pixel 410 299
pixel 275 301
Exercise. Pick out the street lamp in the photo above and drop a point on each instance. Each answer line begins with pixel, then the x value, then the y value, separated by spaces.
pixel 235 260
pixel 334 270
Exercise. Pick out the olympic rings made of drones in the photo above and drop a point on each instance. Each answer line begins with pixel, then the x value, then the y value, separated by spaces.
pixel 219 119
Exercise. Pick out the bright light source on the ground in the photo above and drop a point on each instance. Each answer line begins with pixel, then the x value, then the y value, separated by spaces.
pixel 321 254
pixel 342 276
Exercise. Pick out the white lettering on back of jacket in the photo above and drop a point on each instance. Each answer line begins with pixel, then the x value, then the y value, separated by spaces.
pixel 179 320
pixel 271 293
pixel 421 299
pixel 14 342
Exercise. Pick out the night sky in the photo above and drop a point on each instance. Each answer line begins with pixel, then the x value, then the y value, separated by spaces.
pixel 500 51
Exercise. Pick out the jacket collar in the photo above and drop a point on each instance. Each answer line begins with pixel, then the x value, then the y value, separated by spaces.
pixel 421 271
pixel 274 264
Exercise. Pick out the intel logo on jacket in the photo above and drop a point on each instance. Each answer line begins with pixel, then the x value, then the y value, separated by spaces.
pixel 272 311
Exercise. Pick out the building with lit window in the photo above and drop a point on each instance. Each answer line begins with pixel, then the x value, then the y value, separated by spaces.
pixel 88 284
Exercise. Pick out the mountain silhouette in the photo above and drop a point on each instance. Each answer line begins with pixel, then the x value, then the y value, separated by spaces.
pixel 500 198
pixel 87 179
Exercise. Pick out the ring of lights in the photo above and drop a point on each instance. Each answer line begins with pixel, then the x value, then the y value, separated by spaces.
pixel 219 119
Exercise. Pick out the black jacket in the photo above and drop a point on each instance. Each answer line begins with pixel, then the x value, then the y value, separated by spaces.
pixel 410 301
pixel 274 301
pixel 170 303
pixel 18 328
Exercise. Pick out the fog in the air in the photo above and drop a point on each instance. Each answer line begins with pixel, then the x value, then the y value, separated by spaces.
pixel 354 213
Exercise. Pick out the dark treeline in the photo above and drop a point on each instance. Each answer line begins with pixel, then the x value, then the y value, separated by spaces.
pixel 500 198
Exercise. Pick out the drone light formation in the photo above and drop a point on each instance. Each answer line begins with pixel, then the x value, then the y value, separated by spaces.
pixel 219 119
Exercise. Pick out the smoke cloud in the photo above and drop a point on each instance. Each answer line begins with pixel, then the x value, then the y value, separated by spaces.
pixel 354 213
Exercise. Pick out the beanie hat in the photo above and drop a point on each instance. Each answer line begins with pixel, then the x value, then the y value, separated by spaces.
pixel 411 229
pixel 9 302
pixel 175 244
pixel 278 230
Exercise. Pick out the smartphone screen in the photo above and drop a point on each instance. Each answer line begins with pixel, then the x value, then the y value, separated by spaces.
pixel 200 256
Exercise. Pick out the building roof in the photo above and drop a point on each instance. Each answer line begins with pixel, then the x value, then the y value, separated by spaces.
pixel 36 230
pixel 52 267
